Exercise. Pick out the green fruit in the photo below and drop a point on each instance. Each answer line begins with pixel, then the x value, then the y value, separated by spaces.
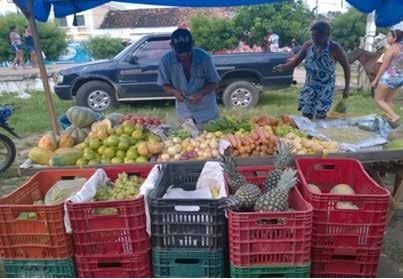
pixel 93 162
pixel 113 141
pixel 116 160
pixel 105 142
pixel 120 154
pixel 152 137
pixel 123 144
pixel 128 128
pixel 82 145
pixel 94 144
pixel 137 134
pixel 141 159
pixel 119 130
pixel 109 152
pixel 129 161
pixel 89 154
pixel 131 153
pixel 101 149
pixel 81 163
pixel 105 161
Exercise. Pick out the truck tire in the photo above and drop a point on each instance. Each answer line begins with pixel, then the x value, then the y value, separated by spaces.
pixel 240 94
pixel 96 95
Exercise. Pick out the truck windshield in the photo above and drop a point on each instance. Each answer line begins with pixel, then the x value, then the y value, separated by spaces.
pixel 123 52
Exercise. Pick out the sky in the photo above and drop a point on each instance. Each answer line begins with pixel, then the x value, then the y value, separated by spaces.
pixel 324 5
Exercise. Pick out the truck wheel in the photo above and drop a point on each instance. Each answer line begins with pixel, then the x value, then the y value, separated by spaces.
pixel 240 94
pixel 97 95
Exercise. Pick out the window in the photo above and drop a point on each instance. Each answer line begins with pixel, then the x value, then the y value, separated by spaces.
pixel 80 20
pixel 152 52
pixel 62 22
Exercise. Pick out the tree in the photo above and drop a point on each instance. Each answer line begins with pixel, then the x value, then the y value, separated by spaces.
pixel 103 47
pixel 289 20
pixel 347 28
pixel 53 39
pixel 214 34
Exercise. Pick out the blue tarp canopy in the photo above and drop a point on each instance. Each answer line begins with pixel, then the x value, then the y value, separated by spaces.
pixel 388 12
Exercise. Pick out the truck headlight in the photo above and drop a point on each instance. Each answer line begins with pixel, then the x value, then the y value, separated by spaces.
pixel 60 79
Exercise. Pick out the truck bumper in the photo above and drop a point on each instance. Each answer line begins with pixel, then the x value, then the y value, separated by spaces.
pixel 63 91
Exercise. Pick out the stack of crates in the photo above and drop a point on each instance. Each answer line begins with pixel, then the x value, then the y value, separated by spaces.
pixel 114 244
pixel 346 241
pixel 33 240
pixel 189 236
pixel 270 244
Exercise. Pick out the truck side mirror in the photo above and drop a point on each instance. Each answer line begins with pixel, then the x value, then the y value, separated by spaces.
pixel 133 59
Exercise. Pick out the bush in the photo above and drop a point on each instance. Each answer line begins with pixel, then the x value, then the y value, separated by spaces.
pixel 52 39
pixel 103 47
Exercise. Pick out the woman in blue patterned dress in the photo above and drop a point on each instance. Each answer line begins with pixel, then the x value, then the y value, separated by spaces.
pixel 320 56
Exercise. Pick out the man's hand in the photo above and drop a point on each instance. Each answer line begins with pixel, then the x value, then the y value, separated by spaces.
pixel 179 96
pixel 374 83
pixel 346 92
pixel 280 68
pixel 194 99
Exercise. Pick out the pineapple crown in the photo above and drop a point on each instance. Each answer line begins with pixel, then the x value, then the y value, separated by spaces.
pixel 287 180
pixel 284 157
pixel 228 163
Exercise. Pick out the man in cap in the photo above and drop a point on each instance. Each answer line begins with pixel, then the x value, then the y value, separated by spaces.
pixel 190 75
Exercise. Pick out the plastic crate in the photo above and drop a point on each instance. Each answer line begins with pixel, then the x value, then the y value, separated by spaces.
pixel 122 232
pixel 271 271
pixel 326 263
pixel 191 263
pixel 345 230
pixel 44 237
pixel 39 268
pixel 270 238
pixel 128 266
pixel 185 223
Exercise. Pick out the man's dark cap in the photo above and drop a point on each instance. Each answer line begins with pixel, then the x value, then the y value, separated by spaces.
pixel 182 40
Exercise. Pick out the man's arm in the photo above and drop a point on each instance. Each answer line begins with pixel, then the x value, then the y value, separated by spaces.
pixel 294 61
pixel 341 57
pixel 164 80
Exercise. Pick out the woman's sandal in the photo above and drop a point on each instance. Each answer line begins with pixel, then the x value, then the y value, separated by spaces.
pixel 394 124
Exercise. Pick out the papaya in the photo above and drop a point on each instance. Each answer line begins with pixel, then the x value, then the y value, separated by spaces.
pixel 68 158
pixel 48 142
pixel 66 140
pixel 40 155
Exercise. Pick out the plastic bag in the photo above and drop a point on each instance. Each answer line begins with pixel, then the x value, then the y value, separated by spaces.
pixel 62 190
pixel 212 178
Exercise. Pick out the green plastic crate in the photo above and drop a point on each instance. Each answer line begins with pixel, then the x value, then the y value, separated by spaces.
pixel 271 271
pixel 39 268
pixel 191 263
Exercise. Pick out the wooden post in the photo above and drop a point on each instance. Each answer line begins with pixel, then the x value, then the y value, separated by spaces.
pixel 29 14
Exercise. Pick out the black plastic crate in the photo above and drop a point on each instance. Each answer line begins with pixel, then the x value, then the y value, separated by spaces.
pixel 173 225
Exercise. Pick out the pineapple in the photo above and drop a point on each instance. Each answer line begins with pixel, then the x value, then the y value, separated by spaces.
pixel 282 160
pixel 235 180
pixel 277 199
pixel 244 198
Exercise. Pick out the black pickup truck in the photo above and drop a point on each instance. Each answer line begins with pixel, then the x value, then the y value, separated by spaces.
pixel 132 76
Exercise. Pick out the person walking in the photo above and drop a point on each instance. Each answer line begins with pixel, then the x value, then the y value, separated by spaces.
pixel 321 55
pixel 390 76
pixel 29 45
pixel 16 46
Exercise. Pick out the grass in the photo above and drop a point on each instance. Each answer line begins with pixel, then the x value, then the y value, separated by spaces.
pixel 33 118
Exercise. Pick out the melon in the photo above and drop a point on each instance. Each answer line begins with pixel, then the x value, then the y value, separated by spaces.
pixel 342 189
pixel 314 189
pixel 346 205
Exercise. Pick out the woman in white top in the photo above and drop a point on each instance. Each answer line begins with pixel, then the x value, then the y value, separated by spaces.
pixel 16 46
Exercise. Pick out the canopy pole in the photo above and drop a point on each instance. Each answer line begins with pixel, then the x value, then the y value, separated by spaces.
pixel 29 14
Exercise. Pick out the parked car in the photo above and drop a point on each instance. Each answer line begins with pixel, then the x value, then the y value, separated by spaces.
pixel 132 76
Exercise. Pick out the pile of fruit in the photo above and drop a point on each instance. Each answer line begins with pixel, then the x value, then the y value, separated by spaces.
pixel 143 120
pixel 272 196
pixel 302 145
pixel 203 147
pixel 123 188
pixel 339 189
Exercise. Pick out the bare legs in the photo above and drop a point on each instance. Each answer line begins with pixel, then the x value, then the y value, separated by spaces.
pixel 19 58
pixel 383 98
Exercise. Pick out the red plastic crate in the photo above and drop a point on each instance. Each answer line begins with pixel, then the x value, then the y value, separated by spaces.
pixel 129 266
pixel 344 229
pixel 328 263
pixel 270 238
pixel 44 237
pixel 123 232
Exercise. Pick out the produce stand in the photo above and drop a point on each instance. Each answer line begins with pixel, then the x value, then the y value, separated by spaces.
pixel 376 163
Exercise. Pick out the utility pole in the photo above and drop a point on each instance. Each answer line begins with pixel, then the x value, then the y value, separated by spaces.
pixel 368 42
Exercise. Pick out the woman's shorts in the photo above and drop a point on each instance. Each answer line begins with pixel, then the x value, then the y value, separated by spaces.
pixel 392 82
pixel 16 48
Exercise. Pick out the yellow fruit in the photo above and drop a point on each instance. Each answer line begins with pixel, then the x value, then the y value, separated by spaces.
pixel 137 134
pixel 48 142
pixel 109 152
pixel 119 130
pixel 142 149
pixel 154 147
pixel 120 154
pixel 314 189
pixel 116 160
pixel 131 153
pixel 101 149
pixel 342 189
pixel 128 128
pixel 94 144
pixel 141 159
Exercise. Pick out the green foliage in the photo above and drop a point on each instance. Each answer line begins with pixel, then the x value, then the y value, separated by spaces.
pixel 215 33
pixel 103 47
pixel 53 39
pixel 348 27
pixel 289 20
